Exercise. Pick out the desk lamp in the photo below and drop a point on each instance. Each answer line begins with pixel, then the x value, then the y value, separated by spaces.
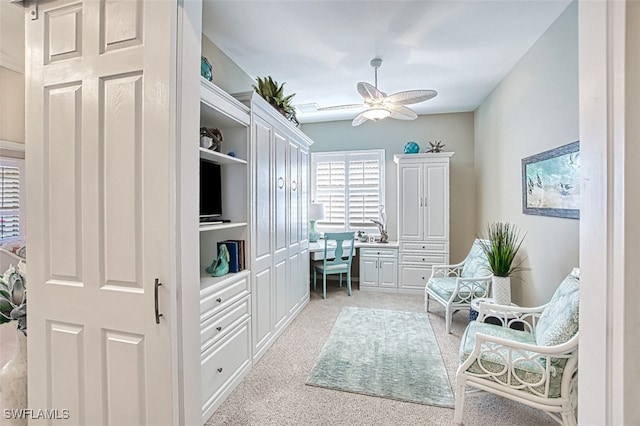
pixel 316 212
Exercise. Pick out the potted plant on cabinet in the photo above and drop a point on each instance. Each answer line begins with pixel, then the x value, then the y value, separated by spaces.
pixel 273 93
pixel 501 246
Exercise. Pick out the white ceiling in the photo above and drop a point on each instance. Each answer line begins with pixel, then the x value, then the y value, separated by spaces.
pixel 321 49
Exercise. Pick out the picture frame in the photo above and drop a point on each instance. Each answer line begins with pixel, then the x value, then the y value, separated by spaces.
pixel 551 182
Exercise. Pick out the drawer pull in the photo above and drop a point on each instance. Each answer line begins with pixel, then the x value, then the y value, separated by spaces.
pixel 220 370
pixel 219 328
pixel 219 300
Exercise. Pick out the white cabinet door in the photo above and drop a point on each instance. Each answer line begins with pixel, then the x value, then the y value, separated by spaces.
pixel 388 272
pixel 101 154
pixel 281 188
pixel 294 197
pixel 435 202
pixel 280 287
pixel 262 270
pixel 304 196
pixel 368 271
pixel 410 199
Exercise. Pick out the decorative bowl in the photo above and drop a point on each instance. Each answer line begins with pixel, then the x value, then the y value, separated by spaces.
pixel 411 148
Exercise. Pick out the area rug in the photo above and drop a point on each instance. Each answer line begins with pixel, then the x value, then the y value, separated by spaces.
pixel 384 353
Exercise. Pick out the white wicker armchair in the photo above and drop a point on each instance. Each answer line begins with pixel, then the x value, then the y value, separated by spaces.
pixel 455 286
pixel 537 367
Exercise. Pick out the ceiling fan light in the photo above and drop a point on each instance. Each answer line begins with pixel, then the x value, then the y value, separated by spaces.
pixel 377 113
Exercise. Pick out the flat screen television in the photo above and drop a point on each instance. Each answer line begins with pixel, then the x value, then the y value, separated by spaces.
pixel 210 191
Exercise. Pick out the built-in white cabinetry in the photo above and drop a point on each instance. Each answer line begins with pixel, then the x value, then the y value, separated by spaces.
pixel 279 168
pixel 423 216
pixel 225 302
pixel 379 268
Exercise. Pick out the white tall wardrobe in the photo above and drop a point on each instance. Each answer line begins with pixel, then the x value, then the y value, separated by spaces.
pixel 423 216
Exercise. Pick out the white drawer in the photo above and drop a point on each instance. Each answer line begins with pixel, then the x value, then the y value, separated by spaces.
pixel 218 296
pixel 223 362
pixel 216 326
pixel 438 247
pixel 381 252
pixel 424 259
pixel 414 277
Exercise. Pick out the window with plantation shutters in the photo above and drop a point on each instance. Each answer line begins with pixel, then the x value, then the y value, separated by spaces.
pixel 10 217
pixel 350 184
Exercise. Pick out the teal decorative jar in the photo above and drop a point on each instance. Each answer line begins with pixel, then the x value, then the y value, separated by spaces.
pixel 411 148
pixel 205 68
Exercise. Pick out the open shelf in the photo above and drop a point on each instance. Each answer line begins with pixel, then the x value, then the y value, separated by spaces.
pixel 206 280
pixel 218 226
pixel 220 158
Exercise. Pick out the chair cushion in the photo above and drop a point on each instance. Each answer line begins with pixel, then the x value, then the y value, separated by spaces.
pixel 525 372
pixel 339 268
pixel 559 320
pixel 445 286
pixel 475 265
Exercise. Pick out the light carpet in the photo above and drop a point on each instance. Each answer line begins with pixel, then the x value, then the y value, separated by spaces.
pixel 390 354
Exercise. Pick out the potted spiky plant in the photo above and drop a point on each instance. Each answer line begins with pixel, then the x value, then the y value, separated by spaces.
pixel 273 93
pixel 501 245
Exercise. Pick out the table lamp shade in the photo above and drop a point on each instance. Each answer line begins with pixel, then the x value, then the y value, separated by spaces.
pixel 316 211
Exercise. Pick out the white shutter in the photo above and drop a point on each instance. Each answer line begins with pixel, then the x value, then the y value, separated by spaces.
pixel 9 201
pixel 351 186
pixel 330 178
pixel 364 192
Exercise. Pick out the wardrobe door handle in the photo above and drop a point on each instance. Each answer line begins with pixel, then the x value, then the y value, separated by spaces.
pixel 280 183
pixel 157 308
pixel 294 185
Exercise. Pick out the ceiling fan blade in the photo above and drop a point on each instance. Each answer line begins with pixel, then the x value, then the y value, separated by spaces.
pixel 400 112
pixel 339 107
pixel 369 93
pixel 360 118
pixel 411 97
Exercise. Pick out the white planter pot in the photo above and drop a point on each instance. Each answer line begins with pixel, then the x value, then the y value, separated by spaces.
pixel 13 381
pixel 501 290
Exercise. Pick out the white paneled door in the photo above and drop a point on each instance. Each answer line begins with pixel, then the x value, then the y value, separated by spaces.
pixel 100 210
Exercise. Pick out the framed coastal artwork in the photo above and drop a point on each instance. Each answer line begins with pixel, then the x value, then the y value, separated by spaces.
pixel 551 182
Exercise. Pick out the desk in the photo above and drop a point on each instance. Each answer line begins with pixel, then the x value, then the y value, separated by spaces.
pixel 316 249
pixel 378 267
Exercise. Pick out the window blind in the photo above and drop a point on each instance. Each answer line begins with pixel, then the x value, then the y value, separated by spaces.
pixel 351 186
pixel 9 201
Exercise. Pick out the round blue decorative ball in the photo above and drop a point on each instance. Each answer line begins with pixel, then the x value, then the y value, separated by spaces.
pixel 411 148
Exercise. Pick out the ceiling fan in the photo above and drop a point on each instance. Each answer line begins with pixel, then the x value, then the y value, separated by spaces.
pixel 380 106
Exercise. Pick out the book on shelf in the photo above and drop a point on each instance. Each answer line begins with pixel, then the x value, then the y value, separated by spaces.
pixel 236 254
pixel 241 254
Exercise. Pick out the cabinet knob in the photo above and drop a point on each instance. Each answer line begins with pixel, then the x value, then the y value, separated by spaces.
pixel 220 370
pixel 423 259
pixel 219 328
pixel 294 185
pixel 218 300
pixel 280 183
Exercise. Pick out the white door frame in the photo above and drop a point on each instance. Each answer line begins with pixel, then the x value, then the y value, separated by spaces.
pixel 609 229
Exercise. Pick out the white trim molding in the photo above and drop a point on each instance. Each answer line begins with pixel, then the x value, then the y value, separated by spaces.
pixel 609 243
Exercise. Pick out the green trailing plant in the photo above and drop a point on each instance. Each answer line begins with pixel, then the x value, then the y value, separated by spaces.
pixel 501 245
pixel 273 93
pixel 13 298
